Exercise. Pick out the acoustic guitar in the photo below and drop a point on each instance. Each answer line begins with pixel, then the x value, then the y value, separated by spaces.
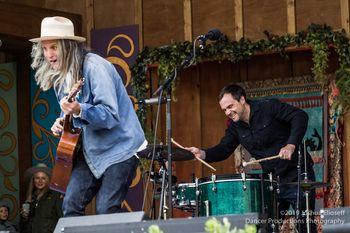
pixel 67 148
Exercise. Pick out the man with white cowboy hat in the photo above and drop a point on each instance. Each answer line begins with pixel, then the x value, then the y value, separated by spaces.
pixel 111 133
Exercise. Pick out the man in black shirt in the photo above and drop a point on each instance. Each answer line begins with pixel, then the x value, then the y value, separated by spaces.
pixel 265 128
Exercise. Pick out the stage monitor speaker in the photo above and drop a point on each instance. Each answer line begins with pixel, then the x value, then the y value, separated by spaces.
pixel 98 220
pixel 175 225
pixel 335 220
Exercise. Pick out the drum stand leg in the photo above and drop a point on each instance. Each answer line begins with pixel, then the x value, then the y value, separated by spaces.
pixel 162 204
pixel 307 212
pixel 197 197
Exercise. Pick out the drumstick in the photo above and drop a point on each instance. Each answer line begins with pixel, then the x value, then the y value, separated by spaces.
pixel 261 160
pixel 199 159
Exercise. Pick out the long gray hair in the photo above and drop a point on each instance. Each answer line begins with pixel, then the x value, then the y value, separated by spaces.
pixel 70 56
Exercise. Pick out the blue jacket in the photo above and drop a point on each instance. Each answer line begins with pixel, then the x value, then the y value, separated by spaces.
pixel 111 131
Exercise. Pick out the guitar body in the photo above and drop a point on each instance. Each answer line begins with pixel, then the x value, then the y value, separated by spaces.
pixel 68 147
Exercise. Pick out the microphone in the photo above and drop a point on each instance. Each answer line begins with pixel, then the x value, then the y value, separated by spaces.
pixel 154 100
pixel 213 34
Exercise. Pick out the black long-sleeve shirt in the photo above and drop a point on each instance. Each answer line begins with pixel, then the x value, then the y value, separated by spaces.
pixel 272 125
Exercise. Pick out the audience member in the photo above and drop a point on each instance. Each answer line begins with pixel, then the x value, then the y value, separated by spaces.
pixel 43 207
pixel 5 224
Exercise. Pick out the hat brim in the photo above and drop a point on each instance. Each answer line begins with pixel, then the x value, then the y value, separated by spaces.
pixel 31 171
pixel 76 38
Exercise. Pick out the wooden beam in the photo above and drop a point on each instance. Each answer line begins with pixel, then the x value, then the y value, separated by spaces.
pixel 139 20
pixel 238 19
pixel 344 12
pixel 24 21
pixel 291 25
pixel 89 10
pixel 187 19
pixel 346 159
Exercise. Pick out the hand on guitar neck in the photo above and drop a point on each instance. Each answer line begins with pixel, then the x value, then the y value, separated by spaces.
pixel 69 106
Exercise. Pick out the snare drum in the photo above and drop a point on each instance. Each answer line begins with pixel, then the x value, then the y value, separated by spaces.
pixel 231 194
pixel 184 196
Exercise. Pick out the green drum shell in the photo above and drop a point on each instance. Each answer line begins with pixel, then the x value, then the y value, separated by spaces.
pixel 185 196
pixel 230 198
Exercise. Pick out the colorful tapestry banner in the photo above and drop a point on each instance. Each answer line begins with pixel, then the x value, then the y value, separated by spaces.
pixel 45 109
pixel 120 47
pixel 9 174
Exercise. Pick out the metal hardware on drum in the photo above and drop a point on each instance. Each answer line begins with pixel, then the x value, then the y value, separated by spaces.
pixel 230 197
pixel 213 179
pixel 270 178
pixel 244 186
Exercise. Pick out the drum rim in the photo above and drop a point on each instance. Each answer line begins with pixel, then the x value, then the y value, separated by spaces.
pixel 184 184
pixel 234 180
pixel 232 177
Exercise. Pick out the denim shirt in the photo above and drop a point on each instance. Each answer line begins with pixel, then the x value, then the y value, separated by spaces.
pixel 111 131
pixel 272 125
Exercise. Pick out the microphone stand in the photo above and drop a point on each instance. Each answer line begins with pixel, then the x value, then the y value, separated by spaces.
pixel 298 190
pixel 166 87
pixel 307 192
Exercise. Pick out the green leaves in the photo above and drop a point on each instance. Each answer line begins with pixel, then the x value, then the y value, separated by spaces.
pixel 318 37
pixel 215 226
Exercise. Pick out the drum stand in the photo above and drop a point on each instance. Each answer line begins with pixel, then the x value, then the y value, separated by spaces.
pixel 297 212
pixel 163 194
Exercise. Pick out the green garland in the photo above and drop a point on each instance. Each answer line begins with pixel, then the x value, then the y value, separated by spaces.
pixel 318 37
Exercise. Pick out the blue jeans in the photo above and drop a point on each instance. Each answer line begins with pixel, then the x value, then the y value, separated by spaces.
pixel 110 189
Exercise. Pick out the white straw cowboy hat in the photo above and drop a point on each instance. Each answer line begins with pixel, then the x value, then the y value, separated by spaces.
pixel 40 167
pixel 57 27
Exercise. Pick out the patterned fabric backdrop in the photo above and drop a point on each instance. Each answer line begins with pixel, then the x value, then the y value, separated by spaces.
pixel 45 110
pixel 9 175
pixel 120 46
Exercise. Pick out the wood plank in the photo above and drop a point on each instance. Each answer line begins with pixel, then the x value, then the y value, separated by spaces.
pixel 291 29
pixel 139 21
pixel 238 24
pixel 261 15
pixel 344 12
pixel 89 20
pixel 319 12
pixel 111 13
pixel 188 20
pixel 346 159
pixel 208 14
pixel 163 22
pixel 28 24
pixel 268 67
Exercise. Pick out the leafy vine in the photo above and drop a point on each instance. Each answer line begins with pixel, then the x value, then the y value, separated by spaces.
pixel 317 37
